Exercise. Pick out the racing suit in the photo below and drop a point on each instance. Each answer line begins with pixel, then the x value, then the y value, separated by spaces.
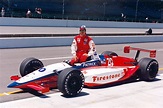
pixel 82 47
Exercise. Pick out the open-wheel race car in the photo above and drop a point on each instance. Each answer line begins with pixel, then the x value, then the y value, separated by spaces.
pixel 105 68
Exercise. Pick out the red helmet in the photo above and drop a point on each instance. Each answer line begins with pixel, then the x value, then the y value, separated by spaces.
pixel 83 28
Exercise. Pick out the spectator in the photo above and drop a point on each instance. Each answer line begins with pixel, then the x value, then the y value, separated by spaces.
pixel 123 17
pixel 146 19
pixel 2 12
pixel 28 14
pixel 38 10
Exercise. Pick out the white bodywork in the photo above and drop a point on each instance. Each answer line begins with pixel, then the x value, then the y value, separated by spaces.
pixel 47 70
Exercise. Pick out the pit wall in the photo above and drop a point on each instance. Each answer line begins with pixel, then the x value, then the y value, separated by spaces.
pixel 66 41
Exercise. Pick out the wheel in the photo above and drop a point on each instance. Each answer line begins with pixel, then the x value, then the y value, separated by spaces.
pixel 109 53
pixel 148 69
pixel 29 65
pixel 70 82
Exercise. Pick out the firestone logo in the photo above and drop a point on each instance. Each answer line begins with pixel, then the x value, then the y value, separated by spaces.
pixel 107 77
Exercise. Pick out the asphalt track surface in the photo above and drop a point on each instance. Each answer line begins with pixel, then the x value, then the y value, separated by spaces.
pixel 133 94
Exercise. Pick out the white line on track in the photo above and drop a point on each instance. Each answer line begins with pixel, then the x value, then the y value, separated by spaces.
pixel 159 49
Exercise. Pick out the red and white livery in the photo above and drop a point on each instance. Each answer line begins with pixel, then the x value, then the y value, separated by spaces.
pixel 103 69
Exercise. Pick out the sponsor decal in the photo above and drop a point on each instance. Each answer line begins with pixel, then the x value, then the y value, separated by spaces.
pixel 107 77
pixel 89 64
pixel 42 69
pixel 151 63
pixel 85 41
pixel 78 40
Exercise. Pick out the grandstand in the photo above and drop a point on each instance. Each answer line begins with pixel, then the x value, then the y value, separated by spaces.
pixel 112 10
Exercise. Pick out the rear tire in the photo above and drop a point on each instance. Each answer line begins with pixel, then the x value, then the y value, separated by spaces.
pixel 70 82
pixel 148 69
pixel 29 65
pixel 109 53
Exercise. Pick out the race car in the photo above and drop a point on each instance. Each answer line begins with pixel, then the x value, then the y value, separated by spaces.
pixel 101 69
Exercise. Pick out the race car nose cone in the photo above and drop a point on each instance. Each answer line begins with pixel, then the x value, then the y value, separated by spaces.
pixel 12 85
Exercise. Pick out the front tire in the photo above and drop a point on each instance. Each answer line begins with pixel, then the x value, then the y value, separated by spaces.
pixel 148 69
pixel 29 65
pixel 70 82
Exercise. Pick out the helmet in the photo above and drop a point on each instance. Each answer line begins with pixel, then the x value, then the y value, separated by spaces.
pixel 83 28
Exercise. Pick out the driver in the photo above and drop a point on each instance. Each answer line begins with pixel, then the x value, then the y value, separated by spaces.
pixel 82 47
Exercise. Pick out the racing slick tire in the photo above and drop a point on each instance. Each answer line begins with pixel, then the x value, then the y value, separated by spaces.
pixel 109 53
pixel 148 69
pixel 29 65
pixel 70 82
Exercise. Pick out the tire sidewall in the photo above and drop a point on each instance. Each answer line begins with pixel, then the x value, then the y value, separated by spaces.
pixel 28 63
pixel 109 53
pixel 65 78
pixel 148 69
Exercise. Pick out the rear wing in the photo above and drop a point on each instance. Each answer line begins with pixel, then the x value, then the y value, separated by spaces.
pixel 128 48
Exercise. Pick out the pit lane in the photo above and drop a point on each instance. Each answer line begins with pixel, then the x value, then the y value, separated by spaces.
pixel 11 59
